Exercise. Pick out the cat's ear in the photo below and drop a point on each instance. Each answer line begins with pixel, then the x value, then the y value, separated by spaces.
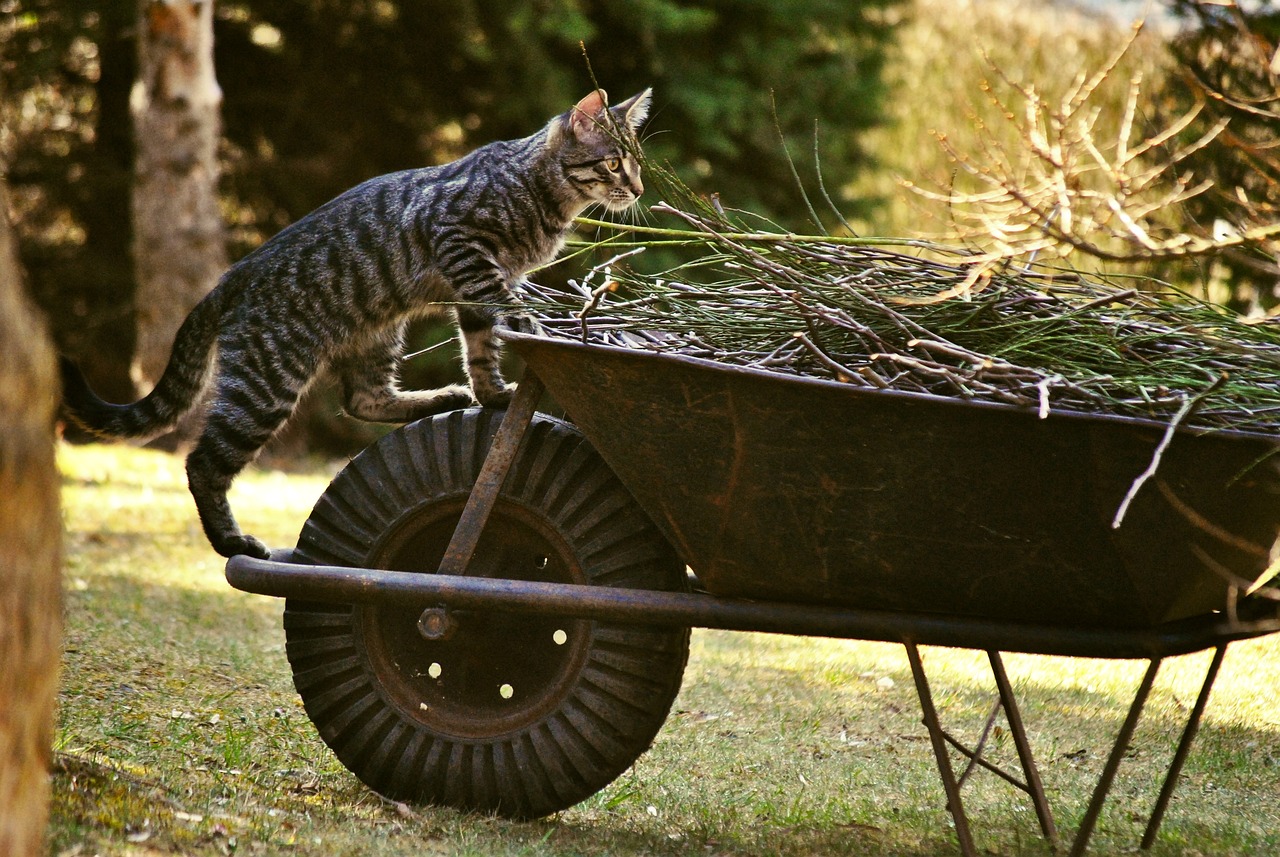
pixel 635 109
pixel 585 117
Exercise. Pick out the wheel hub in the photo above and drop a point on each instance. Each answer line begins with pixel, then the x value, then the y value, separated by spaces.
pixel 475 674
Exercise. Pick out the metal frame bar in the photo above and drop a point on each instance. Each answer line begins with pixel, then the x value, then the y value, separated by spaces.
pixel 281 578
pixel 952 785
pixel 938 738
pixel 493 473
pixel 975 755
pixel 1013 717
pixel 976 760
pixel 360 585
pixel 1118 749
pixel 1184 747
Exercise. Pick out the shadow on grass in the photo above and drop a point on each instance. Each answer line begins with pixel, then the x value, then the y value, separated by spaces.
pixel 180 731
pixel 856 717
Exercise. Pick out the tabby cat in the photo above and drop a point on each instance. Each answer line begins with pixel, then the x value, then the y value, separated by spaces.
pixel 336 289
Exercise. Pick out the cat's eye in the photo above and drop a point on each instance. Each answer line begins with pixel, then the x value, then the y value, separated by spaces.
pixel 613 164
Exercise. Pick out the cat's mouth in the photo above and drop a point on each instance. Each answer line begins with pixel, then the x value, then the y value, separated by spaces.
pixel 620 200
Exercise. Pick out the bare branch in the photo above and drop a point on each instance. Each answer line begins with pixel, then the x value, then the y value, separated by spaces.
pixel 1069 187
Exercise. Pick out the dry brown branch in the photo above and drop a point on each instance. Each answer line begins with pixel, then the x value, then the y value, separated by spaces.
pixel 1073 184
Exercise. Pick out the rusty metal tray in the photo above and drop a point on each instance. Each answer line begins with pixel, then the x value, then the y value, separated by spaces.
pixel 798 489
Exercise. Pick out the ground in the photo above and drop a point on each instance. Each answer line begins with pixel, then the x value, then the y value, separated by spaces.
pixel 180 731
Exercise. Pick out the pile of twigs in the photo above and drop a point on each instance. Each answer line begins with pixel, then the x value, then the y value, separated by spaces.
pixel 913 316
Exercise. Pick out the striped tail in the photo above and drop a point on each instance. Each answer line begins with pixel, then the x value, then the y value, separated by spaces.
pixel 177 392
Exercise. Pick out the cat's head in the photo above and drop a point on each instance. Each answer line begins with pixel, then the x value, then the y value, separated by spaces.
pixel 597 148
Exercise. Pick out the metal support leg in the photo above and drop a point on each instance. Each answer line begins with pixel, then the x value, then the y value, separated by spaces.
pixel 1014 717
pixel 1113 761
pixel 493 473
pixel 938 739
pixel 1184 747
pixel 975 755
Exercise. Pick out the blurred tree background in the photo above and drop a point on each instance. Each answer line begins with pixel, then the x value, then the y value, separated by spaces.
pixel 319 95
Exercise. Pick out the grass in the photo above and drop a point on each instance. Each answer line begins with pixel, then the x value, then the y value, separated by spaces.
pixel 180 732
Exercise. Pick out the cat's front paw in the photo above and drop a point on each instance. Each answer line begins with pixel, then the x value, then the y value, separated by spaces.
pixel 497 397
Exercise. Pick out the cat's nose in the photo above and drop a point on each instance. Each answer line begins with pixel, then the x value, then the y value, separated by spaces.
pixel 637 187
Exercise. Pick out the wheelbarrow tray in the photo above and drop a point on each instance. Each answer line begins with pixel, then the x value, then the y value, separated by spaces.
pixel 804 490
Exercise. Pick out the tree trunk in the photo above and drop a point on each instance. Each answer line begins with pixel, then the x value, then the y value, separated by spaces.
pixel 179 245
pixel 30 560
pixel 101 341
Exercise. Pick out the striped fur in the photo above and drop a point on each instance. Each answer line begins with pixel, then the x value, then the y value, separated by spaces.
pixel 336 289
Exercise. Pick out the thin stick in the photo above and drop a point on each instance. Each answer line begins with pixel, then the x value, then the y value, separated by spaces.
pixel 842 372
pixel 441 344
pixel 1043 388
pixel 817 168
pixel 761 237
pixel 609 285
pixel 1188 406
pixel 782 139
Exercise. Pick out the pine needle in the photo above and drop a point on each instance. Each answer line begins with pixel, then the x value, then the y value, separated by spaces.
pixel 911 315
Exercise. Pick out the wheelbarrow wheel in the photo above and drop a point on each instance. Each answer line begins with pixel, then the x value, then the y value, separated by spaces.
pixel 520 715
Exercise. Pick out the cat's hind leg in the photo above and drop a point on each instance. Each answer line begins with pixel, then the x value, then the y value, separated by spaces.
pixel 371 390
pixel 209 475
pixel 257 387
pixel 233 434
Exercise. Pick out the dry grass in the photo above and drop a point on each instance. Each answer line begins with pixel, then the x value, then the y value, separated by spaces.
pixel 180 732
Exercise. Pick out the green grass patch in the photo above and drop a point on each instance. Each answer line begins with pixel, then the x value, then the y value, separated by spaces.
pixel 180 732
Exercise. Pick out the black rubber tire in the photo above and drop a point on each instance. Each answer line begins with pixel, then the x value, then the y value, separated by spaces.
pixel 515 714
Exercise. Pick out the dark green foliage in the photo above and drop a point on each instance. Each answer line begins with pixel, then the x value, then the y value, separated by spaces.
pixel 66 68
pixel 717 69
pixel 357 89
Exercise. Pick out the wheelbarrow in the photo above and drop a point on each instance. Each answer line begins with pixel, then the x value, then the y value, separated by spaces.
pixel 491 610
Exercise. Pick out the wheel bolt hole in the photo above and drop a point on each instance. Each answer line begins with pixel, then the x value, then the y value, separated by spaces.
pixel 506 691
pixel 560 637
pixel 434 670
